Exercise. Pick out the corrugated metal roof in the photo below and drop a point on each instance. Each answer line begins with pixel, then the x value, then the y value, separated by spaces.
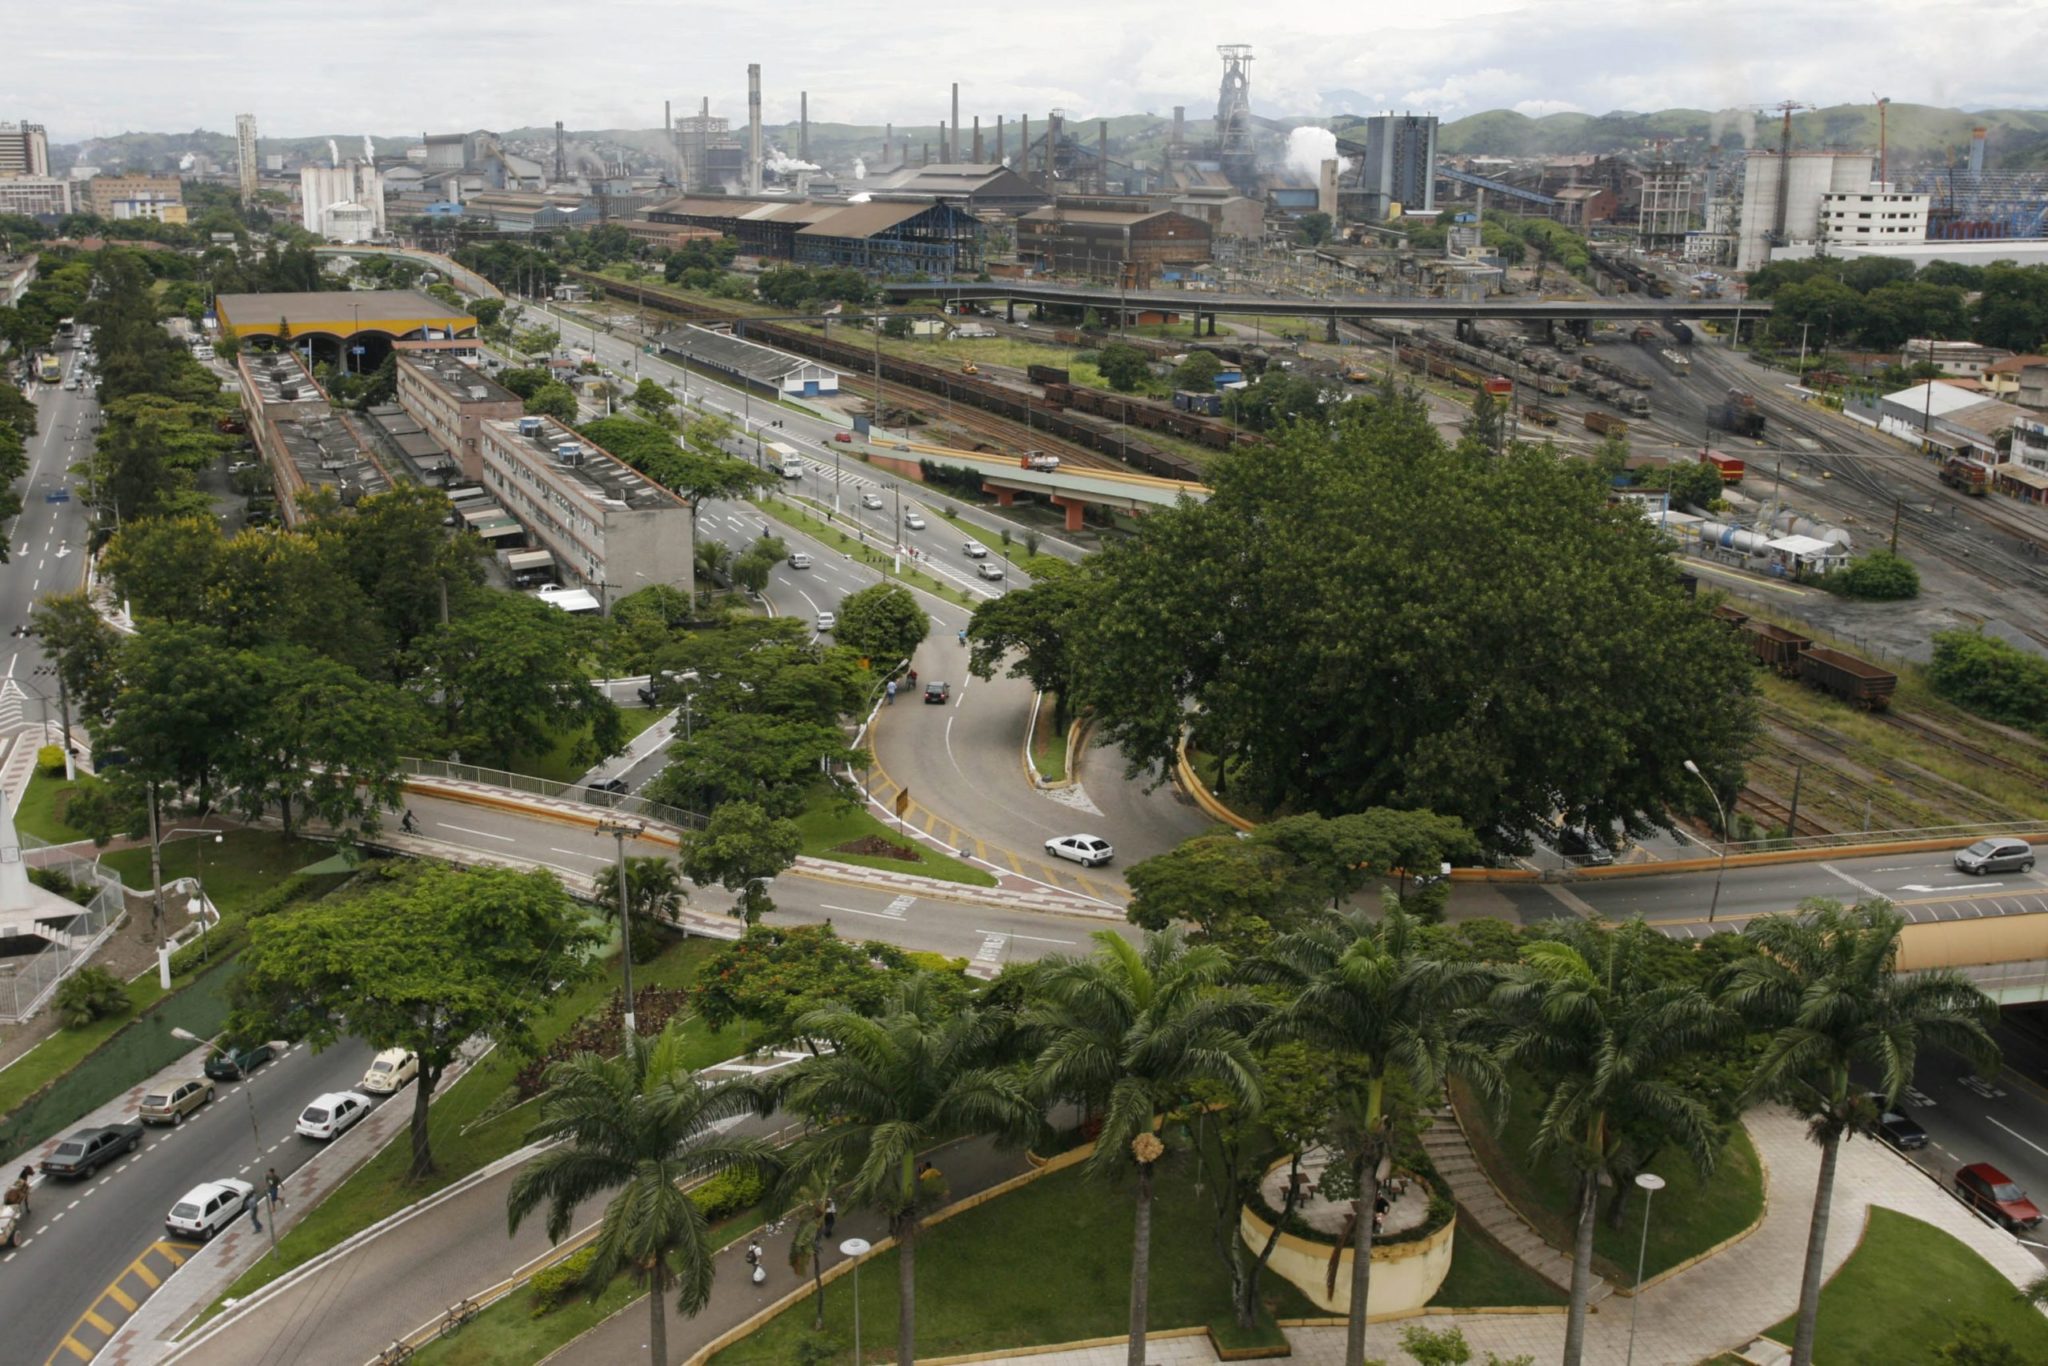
pixel 862 220
pixel 1102 217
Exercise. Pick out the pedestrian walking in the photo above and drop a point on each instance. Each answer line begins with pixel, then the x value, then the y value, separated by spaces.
pixel 407 823
pixel 892 692
pixel 831 1214
pixel 963 635
pixel 254 1206
pixel 276 1185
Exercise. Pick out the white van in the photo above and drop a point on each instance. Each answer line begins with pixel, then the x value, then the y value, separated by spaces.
pixel 786 458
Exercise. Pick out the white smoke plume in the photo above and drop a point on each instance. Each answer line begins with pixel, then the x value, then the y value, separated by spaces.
pixel 369 150
pixel 859 198
pixel 860 168
pixel 185 162
pixel 1308 148
pixel 333 153
pixel 782 163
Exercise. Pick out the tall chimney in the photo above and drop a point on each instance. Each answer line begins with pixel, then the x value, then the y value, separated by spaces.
pixel 561 165
pixel 1102 157
pixel 753 128
pixel 888 141
pixel 1977 151
pixel 942 147
pixel 1326 189
pixel 1024 148
pixel 999 137
pixel 803 125
pixel 703 177
pixel 1180 127
pixel 977 140
pixel 668 131
pixel 953 149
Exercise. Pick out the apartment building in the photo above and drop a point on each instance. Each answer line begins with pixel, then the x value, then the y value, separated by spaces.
pixel 451 401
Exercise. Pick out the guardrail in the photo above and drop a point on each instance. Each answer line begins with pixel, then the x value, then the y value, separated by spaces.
pixel 549 787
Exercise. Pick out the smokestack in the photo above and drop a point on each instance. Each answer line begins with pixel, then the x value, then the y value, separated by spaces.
pixel 977 140
pixel 1102 156
pixel 753 128
pixel 999 137
pixel 561 164
pixel 928 153
pixel 675 154
pixel 1024 148
pixel 703 177
pixel 1326 190
pixel 1180 127
pixel 803 125
pixel 888 141
pixel 953 149
pixel 945 152
pixel 1977 151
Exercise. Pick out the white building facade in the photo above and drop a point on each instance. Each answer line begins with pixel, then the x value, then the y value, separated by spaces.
pixel 352 188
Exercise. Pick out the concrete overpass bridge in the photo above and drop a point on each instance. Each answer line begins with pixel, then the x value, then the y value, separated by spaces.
pixel 462 277
pixel 1069 487
pixel 1203 305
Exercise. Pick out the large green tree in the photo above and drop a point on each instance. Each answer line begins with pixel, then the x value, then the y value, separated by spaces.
pixel 1364 618
pixel 1038 630
pixel 882 622
pixel 754 757
pixel 741 848
pixel 639 1128
pixel 1827 988
pixel 322 741
pixel 427 962
pixel 506 678
pixel 87 652
pixel 1128 1034
pixel 889 1090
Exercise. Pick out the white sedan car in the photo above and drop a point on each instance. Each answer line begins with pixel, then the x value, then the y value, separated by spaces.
pixel 389 1070
pixel 1086 850
pixel 207 1209
pixel 329 1116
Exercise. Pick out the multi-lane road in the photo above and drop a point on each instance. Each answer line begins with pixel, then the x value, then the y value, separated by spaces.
pixel 46 544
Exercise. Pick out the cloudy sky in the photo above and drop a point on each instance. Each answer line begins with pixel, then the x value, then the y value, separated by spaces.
pixel 98 67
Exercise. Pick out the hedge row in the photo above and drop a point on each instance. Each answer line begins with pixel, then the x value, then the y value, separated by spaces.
pixel 720 1198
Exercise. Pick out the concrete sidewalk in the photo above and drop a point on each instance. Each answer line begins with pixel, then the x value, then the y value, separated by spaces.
pixel 969 1167
pixel 1720 1305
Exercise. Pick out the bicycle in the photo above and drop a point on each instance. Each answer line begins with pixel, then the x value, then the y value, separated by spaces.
pixel 460 1314
pixel 395 1353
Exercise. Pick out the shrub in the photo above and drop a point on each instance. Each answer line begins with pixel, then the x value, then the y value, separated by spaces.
pixel 727 1193
pixel 52 881
pixel 1990 677
pixel 233 930
pixel 50 759
pixel 552 1286
pixel 1879 576
pixel 87 995
pixel 723 1196
pixel 648 942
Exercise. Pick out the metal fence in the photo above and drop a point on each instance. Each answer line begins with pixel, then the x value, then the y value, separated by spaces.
pixel 548 787
pixel 27 982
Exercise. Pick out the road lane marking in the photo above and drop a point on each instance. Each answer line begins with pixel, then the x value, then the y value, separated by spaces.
pixel 1036 939
pixel 122 1297
pixel 1857 883
pixel 2021 1137
pixel 482 833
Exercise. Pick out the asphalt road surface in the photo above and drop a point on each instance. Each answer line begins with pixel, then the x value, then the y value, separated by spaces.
pixel 46 545
pixel 94 1244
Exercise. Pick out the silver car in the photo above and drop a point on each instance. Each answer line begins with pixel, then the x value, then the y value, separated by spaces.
pixel 2000 855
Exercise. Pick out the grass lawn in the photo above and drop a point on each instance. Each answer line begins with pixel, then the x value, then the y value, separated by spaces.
pixel 558 766
pixel 243 865
pixel 1485 1274
pixel 827 823
pixel 1020 558
pixel 1692 1214
pixel 1049 743
pixel 1048 1263
pixel 508 1330
pixel 874 552
pixel 1906 1291
pixel 42 807
pixel 466 1135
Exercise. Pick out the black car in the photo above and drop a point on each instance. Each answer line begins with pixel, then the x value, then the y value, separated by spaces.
pixel 937 693
pixel 606 786
pixel 87 1150
pixel 1897 1127
pixel 648 697
pixel 232 1064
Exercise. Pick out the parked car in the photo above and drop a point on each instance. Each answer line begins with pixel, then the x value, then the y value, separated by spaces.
pixel 1997 1196
pixel 232 1064
pixel 171 1104
pixel 991 572
pixel 843 437
pixel 871 500
pixel 208 1208
pixel 799 560
pixel 610 786
pixel 826 621
pixel 1584 846
pixel 1897 1127
pixel 389 1070
pixel 914 520
pixel 936 693
pixel 1087 850
pixel 974 550
pixel 87 1150
pixel 2001 855
pixel 330 1116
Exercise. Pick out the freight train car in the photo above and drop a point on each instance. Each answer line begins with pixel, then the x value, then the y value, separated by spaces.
pixel 1737 413
pixel 1855 681
pixel 1730 466
pixel 1775 647
pixel 1046 374
pixel 1603 425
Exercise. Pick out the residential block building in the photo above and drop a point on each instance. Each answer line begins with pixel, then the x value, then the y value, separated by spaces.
pixel 451 401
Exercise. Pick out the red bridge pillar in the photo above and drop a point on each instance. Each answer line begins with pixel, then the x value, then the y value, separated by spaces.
pixel 1073 507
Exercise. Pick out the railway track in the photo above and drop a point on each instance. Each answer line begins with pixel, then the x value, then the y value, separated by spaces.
pixel 1904 788
pixel 1775 815
pixel 1947 739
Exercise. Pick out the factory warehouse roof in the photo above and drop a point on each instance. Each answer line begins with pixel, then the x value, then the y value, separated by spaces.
pixel 762 364
pixel 340 313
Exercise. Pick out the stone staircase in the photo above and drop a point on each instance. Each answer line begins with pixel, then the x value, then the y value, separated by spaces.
pixel 1477 1199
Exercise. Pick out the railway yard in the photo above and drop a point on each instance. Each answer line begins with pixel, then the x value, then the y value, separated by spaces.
pixel 1830 758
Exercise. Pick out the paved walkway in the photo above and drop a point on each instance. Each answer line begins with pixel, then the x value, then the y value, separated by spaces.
pixel 968 1167
pixel 1480 1202
pixel 1718 1306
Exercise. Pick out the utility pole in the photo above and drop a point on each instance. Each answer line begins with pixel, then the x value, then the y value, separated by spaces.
pixel 1897 507
pixel 1792 816
pixel 619 830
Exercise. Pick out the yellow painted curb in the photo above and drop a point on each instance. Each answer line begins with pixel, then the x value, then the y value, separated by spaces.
pixel 1184 772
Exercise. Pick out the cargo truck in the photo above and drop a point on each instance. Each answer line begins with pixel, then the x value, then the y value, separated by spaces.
pixel 785 458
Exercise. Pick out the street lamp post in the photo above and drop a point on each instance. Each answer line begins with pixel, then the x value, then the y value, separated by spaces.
pixel 195 905
pixel 856 1248
pixel 179 1032
pixel 1715 905
pixel 619 830
pixel 1650 1183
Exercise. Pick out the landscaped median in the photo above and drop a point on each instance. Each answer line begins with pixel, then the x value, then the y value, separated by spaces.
pixel 877 552
pixel 843 832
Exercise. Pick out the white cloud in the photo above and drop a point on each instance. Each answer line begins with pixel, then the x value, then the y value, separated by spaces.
pixel 106 66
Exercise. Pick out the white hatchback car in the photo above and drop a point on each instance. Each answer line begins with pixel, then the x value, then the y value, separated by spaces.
pixel 389 1070
pixel 208 1208
pixel 871 500
pixel 329 1116
pixel 914 521
pixel 1086 850
pixel 827 621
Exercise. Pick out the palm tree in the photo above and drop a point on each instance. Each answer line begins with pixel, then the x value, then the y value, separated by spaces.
pixel 1587 1013
pixel 1127 1032
pixel 1367 989
pixel 807 1239
pixel 889 1089
pixel 1827 986
pixel 641 1125
pixel 654 884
